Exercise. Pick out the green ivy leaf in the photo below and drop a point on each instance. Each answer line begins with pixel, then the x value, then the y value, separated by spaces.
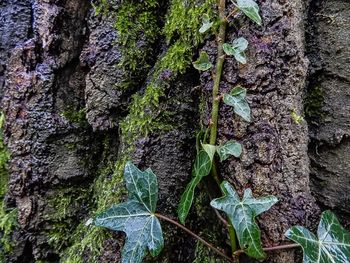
pixel 242 214
pixel 187 199
pixel 203 63
pixel 251 9
pixel 237 49
pixel 239 91
pixel 136 216
pixel 237 99
pixel 206 24
pixel 230 148
pixel 331 246
pixel 201 168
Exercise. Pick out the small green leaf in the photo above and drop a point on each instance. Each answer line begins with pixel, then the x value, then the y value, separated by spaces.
pixel 206 24
pixel 237 100
pixel 136 216
pixel 187 199
pixel 239 91
pixel 203 63
pixel 230 148
pixel 201 168
pixel 331 246
pixel 251 9
pixel 242 214
pixel 202 165
pixel 237 49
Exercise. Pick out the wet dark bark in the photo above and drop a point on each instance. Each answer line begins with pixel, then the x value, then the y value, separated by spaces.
pixel 328 104
pixel 56 57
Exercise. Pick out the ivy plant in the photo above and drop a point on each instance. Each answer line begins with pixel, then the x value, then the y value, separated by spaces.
pixel 201 168
pixel 242 214
pixel 203 63
pixel 136 217
pixel 251 9
pixel 206 24
pixel 237 99
pixel 332 244
pixel 237 49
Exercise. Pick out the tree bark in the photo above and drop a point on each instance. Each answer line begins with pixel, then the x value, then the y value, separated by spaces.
pixel 59 72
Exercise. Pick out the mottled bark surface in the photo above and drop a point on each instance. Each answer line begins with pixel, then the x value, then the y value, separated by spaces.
pixel 328 104
pixel 275 159
pixel 58 63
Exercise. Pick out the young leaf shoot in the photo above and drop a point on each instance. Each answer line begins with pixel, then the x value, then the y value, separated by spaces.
pixel 203 63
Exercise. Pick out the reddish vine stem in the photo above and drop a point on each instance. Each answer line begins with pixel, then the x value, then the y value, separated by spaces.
pixel 212 247
pixel 288 246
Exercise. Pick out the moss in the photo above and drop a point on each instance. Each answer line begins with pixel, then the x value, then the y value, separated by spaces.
pixel 314 103
pixel 202 253
pixel 63 209
pixel 8 217
pixel 76 117
pixel 106 190
pixel 137 21
pixel 138 25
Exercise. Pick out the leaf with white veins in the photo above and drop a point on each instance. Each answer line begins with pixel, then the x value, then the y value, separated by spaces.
pixel 201 168
pixel 331 246
pixel 230 148
pixel 242 214
pixel 237 49
pixel 136 216
pixel 206 24
pixel 237 100
pixel 203 63
pixel 251 9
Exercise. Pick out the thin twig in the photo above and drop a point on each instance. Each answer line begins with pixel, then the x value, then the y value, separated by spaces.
pixel 212 247
pixel 234 11
pixel 216 211
pixel 288 246
pixel 221 218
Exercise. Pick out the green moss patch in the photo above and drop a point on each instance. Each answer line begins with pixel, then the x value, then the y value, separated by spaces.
pixel 137 21
pixel 8 217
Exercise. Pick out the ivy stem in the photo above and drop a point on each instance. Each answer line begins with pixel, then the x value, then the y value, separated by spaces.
pixel 212 247
pixel 218 72
pixel 216 100
pixel 288 246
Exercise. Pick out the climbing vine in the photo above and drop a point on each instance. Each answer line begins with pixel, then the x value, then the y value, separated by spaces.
pixel 138 216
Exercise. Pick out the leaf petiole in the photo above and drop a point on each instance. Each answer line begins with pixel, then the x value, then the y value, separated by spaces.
pixel 211 246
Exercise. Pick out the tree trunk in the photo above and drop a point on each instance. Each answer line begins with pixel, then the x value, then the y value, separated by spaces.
pixel 86 86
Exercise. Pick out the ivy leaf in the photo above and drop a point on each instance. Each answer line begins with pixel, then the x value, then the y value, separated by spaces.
pixel 203 63
pixel 201 168
pixel 239 91
pixel 331 246
pixel 237 99
pixel 242 214
pixel 187 199
pixel 237 49
pixel 230 148
pixel 251 9
pixel 206 24
pixel 136 216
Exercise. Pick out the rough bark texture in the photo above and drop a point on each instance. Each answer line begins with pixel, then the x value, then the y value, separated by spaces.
pixel 58 86
pixel 328 104
pixel 275 147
